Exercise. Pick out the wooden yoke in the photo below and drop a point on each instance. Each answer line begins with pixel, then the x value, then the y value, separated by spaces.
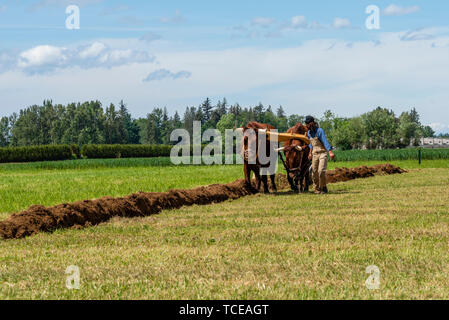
pixel 282 137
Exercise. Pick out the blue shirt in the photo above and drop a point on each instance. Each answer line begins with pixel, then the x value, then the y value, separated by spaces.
pixel 322 136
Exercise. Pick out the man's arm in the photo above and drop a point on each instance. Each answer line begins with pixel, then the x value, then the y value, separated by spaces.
pixel 322 136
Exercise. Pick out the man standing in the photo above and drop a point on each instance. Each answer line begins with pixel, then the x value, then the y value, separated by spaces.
pixel 319 147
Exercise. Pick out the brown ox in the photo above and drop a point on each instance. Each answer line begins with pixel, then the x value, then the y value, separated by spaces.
pixel 297 163
pixel 250 153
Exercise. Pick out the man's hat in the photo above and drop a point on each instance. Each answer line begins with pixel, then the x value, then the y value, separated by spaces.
pixel 310 119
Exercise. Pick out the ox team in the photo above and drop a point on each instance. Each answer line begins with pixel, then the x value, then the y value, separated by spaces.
pixel 296 166
pixel 319 147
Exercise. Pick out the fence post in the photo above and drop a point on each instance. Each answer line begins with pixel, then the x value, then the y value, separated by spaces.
pixel 420 155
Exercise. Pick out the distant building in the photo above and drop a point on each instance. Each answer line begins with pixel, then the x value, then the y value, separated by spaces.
pixel 434 143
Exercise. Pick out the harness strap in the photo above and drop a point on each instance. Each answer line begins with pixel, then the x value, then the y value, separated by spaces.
pixel 285 165
pixel 283 162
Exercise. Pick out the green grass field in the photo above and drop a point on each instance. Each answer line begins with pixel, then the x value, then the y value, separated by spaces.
pixel 283 246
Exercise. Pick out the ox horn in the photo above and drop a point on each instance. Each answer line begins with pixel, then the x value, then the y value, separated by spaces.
pixel 298 148
pixel 280 149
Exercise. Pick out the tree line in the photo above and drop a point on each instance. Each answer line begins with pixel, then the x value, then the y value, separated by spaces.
pixel 90 123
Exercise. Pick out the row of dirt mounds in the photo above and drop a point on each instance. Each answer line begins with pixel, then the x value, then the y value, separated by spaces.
pixel 345 174
pixel 93 212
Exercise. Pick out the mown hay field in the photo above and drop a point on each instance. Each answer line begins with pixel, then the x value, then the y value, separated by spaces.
pixel 283 246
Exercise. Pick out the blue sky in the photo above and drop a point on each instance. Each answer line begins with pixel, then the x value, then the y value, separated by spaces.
pixel 307 56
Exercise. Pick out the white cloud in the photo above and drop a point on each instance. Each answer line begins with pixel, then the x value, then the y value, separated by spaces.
pixel 299 22
pixel 113 58
pixel 118 55
pixel 45 58
pixel 255 29
pixel 341 23
pixel 41 55
pixel 394 10
pixel 92 51
pixel 262 22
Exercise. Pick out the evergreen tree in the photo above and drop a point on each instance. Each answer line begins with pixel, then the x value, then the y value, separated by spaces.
pixel 414 116
pixel 280 113
pixel 177 124
pixel 128 128
pixel 189 117
pixel 199 115
pixel 219 111
pixel 235 110
pixel 166 127
pixel 206 110
pixel 259 112
pixel 154 127
pixel 111 125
